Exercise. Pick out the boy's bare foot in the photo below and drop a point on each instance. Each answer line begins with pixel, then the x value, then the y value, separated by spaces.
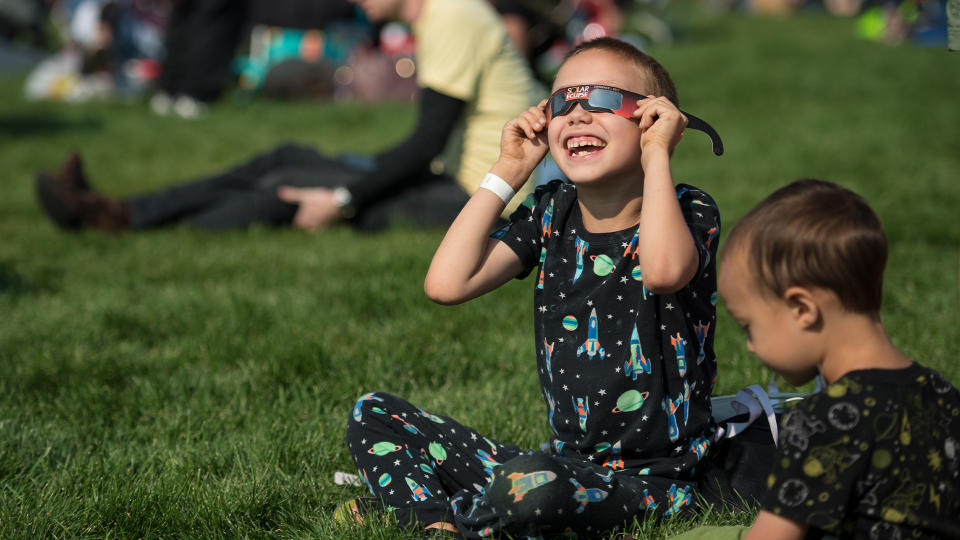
pixel 353 510
pixel 356 510
pixel 441 528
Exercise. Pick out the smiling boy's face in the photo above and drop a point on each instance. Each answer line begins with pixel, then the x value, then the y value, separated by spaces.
pixel 596 146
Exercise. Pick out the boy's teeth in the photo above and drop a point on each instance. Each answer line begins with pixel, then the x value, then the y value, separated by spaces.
pixel 587 141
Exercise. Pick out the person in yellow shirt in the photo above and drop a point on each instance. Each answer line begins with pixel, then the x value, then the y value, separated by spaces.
pixel 473 81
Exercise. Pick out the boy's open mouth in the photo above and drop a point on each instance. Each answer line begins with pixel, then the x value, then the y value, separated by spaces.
pixel 583 146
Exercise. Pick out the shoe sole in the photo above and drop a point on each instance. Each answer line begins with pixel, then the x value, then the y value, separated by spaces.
pixel 53 204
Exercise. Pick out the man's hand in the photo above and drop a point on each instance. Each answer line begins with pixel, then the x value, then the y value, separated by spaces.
pixel 662 125
pixel 523 144
pixel 318 208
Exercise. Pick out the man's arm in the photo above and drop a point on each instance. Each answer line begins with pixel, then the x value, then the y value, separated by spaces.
pixel 468 262
pixel 667 253
pixel 438 114
pixel 769 525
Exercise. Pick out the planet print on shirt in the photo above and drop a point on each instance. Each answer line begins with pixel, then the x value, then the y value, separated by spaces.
pixel 630 401
pixel 602 265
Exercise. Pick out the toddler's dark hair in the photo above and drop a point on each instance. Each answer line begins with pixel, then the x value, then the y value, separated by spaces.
pixel 816 234
pixel 657 77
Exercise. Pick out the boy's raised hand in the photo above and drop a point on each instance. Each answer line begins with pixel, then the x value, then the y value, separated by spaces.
pixel 523 145
pixel 662 124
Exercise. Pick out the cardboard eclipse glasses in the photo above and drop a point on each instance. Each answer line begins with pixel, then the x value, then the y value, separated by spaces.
pixel 601 98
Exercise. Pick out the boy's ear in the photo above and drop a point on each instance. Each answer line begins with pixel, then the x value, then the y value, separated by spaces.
pixel 803 307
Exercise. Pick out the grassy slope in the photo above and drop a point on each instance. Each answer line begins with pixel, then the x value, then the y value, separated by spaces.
pixel 177 383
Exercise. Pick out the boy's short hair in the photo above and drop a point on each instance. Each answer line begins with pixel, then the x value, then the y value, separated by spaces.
pixel 816 234
pixel 657 77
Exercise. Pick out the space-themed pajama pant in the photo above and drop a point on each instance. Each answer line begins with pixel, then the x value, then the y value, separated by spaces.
pixel 430 468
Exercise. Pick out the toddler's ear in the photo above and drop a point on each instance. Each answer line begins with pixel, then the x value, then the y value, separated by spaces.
pixel 804 307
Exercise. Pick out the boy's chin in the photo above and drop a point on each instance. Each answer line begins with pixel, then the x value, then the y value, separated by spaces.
pixel 799 378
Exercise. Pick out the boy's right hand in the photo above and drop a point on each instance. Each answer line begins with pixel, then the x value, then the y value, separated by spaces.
pixel 523 145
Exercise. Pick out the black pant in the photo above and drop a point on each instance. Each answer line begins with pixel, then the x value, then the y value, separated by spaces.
pixel 201 41
pixel 429 467
pixel 246 195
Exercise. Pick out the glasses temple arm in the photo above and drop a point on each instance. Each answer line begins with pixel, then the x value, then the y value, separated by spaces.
pixel 694 122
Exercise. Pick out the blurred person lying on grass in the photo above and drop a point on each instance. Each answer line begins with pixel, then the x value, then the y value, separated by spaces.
pixel 625 356
pixel 876 454
pixel 472 82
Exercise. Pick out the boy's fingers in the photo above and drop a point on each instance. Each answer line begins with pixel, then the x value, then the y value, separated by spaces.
pixel 524 126
pixel 536 120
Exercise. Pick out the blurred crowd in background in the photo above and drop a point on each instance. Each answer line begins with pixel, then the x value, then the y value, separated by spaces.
pixel 186 54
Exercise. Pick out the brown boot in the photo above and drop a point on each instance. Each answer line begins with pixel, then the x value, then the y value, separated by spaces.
pixel 72 171
pixel 60 200
pixel 103 213
pixel 67 199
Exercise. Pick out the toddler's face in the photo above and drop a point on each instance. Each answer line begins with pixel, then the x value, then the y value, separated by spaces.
pixel 594 146
pixel 773 334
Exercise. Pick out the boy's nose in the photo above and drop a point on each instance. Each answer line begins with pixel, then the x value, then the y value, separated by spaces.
pixel 579 115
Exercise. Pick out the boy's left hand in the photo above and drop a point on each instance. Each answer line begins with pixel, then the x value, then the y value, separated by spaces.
pixel 661 123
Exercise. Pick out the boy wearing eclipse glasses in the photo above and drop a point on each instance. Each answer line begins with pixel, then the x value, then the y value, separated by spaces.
pixel 624 319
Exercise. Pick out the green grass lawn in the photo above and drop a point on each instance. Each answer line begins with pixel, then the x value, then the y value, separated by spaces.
pixel 182 384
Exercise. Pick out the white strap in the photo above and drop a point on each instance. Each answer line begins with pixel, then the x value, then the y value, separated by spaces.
pixel 341 478
pixel 752 400
pixel 498 186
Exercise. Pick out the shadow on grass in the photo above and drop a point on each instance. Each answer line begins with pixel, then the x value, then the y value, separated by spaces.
pixel 36 125
pixel 14 284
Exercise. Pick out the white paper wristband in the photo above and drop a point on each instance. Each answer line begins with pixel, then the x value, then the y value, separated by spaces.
pixel 498 186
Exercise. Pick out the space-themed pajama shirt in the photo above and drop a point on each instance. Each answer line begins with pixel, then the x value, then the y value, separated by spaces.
pixel 876 455
pixel 626 376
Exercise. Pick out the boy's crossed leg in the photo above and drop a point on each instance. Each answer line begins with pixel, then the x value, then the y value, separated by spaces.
pixel 540 493
pixel 415 460
pixel 432 469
